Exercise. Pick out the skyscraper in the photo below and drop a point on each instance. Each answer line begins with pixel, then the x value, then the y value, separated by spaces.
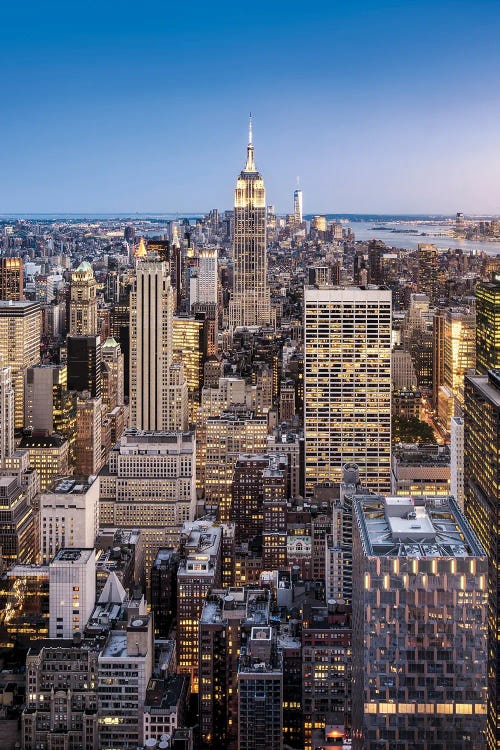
pixel 459 349
pixel 150 484
pixel 112 375
pixel 297 205
pixel 427 271
pixel 488 325
pixel 457 459
pixel 250 304
pixel 84 364
pixel 204 284
pixel 11 279
pixel 69 515
pixel 347 415
pixel 6 412
pixel 199 571
pixel 158 391
pixel 260 692
pixel 482 501
pixel 20 333
pixel 72 591
pixel 49 407
pixel 83 304
pixel 419 665
pixel 235 431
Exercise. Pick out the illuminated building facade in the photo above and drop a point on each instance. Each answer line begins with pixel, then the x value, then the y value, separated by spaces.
pixel 257 478
pixel 419 664
pixel 24 604
pixel 459 350
pixel 326 672
pixel 20 333
pixel 149 483
pixel 83 302
pixel 199 571
pixel 190 343
pixel 421 470
pixel 215 399
pixel 49 455
pixel 347 365
pixel 6 412
pixel 457 460
pixel 17 523
pixel 250 304
pixel 234 432
pixel 488 325
pixel 482 502
pixel 225 620
pixel 11 279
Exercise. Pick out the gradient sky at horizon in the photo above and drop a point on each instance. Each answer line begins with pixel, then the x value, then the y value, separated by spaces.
pixel 379 106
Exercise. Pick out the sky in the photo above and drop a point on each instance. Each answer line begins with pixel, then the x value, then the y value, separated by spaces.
pixel 378 106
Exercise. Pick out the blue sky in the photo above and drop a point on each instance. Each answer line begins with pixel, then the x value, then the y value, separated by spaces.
pixel 378 106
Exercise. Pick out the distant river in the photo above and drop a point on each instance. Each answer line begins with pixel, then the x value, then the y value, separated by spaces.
pixel 435 234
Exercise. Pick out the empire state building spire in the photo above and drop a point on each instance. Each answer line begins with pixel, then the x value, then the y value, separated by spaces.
pixel 250 304
pixel 250 165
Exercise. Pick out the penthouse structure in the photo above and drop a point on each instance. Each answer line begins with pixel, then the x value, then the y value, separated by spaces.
pixel 421 470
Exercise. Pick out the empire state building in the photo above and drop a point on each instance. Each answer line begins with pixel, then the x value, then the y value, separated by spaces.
pixel 250 304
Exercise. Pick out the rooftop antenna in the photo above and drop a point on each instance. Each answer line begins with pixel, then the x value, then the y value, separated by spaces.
pixel 250 130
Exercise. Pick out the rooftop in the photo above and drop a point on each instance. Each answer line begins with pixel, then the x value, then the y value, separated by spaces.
pixel 72 485
pixel 164 554
pixel 116 645
pixel 42 441
pixel 84 267
pixel 108 538
pixel 488 385
pixel 165 693
pixel 73 555
pixel 414 527
pixel 138 438
pixel 7 306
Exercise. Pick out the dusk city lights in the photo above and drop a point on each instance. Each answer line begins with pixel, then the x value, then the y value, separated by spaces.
pixel 250 375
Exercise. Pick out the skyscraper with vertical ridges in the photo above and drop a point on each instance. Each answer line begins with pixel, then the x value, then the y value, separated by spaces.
pixel 250 304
